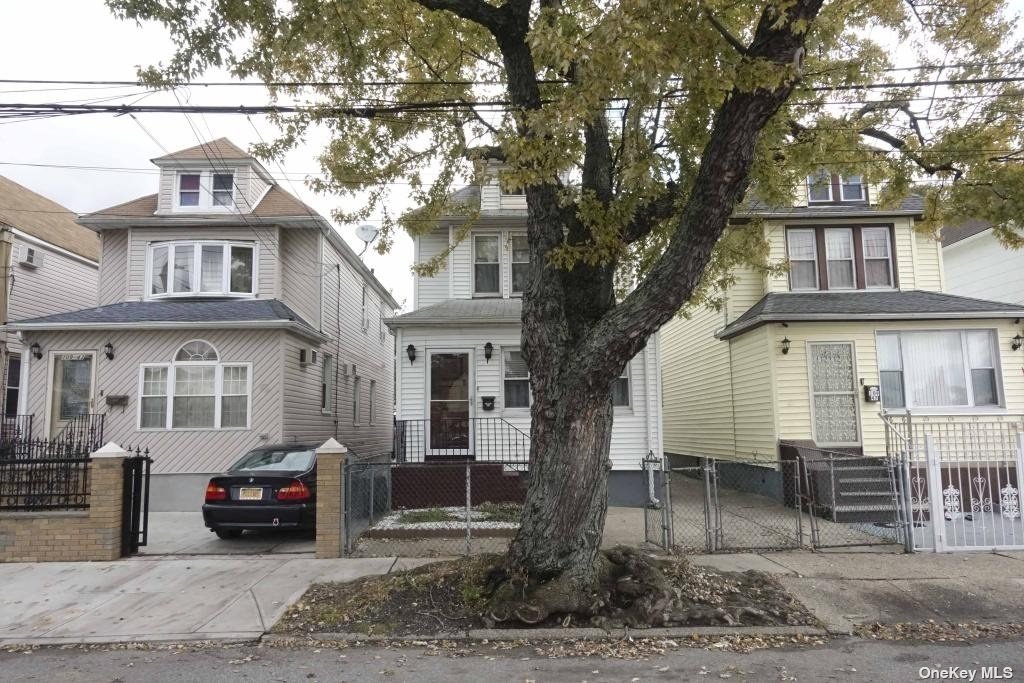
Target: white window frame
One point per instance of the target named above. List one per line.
(817, 266)
(218, 387)
(998, 407)
(852, 260)
(863, 190)
(327, 372)
(512, 263)
(206, 204)
(473, 264)
(627, 374)
(853, 392)
(356, 408)
(889, 258)
(529, 392)
(811, 183)
(197, 268)
(373, 402)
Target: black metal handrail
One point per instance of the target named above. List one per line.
(490, 439)
(44, 484)
(16, 428)
(84, 429)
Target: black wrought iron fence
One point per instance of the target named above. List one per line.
(15, 428)
(44, 449)
(492, 439)
(86, 430)
(37, 484)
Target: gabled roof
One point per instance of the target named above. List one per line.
(219, 149)
(866, 305)
(44, 219)
(276, 203)
(192, 313)
(463, 312)
(958, 233)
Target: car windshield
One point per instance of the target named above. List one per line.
(292, 460)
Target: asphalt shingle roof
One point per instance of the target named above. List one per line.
(952, 234)
(866, 305)
(34, 214)
(193, 311)
(911, 205)
(465, 311)
(221, 148)
(276, 203)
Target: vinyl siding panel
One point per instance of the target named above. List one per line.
(744, 293)
(696, 387)
(266, 240)
(173, 451)
(113, 274)
(928, 264)
(633, 434)
(433, 289)
(752, 395)
(357, 352)
(57, 285)
(792, 398)
(982, 268)
(461, 264)
(301, 272)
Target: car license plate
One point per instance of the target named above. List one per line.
(250, 494)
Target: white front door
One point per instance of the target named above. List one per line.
(450, 404)
(834, 410)
(71, 388)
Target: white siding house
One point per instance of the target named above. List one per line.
(977, 265)
(465, 330)
(230, 316)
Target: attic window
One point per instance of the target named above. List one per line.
(824, 187)
(205, 191)
(188, 189)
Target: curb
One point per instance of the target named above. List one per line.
(547, 634)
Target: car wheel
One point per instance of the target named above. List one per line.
(228, 534)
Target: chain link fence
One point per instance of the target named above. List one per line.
(430, 509)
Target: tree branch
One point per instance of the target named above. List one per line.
(729, 37)
(477, 11)
(647, 217)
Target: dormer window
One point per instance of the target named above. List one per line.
(824, 187)
(205, 191)
(201, 268)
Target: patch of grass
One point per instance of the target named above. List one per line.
(426, 515)
(499, 512)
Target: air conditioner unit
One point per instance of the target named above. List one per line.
(307, 357)
(30, 258)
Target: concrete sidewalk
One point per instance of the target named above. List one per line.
(844, 589)
(162, 599)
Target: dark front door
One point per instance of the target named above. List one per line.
(450, 426)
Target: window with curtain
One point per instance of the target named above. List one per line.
(819, 187)
(206, 191)
(803, 259)
(520, 263)
(201, 267)
(486, 265)
(517, 380)
(188, 189)
(223, 189)
(939, 369)
(833, 393)
(877, 258)
(851, 188)
(621, 393)
(839, 254)
(195, 391)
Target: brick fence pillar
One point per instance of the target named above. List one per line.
(106, 493)
(330, 507)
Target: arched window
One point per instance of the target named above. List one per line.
(196, 350)
(195, 391)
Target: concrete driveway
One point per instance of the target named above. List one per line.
(183, 533)
(162, 599)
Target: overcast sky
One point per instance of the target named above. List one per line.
(81, 40)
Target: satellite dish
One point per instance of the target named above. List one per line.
(367, 233)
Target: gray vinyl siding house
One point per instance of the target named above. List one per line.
(230, 327)
(50, 265)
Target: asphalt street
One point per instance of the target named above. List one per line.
(839, 660)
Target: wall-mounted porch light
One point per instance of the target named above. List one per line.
(1017, 342)
(488, 351)
(410, 351)
(37, 352)
(785, 345)
(108, 351)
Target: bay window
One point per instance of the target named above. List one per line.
(201, 267)
(195, 391)
(938, 369)
(486, 265)
(803, 258)
(517, 380)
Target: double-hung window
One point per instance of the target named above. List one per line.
(621, 390)
(195, 391)
(517, 379)
(803, 258)
(205, 191)
(851, 188)
(937, 369)
(839, 254)
(201, 268)
(520, 263)
(486, 265)
(877, 258)
(819, 187)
